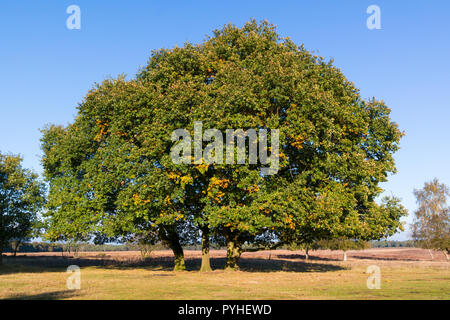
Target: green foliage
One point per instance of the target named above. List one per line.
(21, 197)
(431, 228)
(111, 175)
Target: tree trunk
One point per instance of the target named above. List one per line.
(179, 257)
(431, 254)
(177, 249)
(234, 251)
(307, 253)
(16, 248)
(446, 254)
(345, 256)
(206, 265)
(170, 237)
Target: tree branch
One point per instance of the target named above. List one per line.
(275, 246)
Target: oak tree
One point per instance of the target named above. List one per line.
(21, 198)
(112, 175)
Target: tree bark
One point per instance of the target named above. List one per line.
(345, 256)
(307, 253)
(206, 265)
(172, 240)
(179, 257)
(431, 254)
(234, 252)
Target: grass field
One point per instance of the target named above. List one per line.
(281, 274)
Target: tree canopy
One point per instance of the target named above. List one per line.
(111, 174)
(21, 197)
(431, 227)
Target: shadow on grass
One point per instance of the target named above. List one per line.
(303, 257)
(266, 265)
(385, 258)
(55, 295)
(59, 264)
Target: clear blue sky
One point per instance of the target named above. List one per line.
(46, 69)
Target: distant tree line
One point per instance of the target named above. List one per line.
(15, 247)
(394, 244)
(90, 247)
(62, 247)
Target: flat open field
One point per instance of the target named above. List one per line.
(405, 274)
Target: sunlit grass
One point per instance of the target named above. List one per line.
(346, 280)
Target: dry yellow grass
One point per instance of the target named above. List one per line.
(285, 276)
